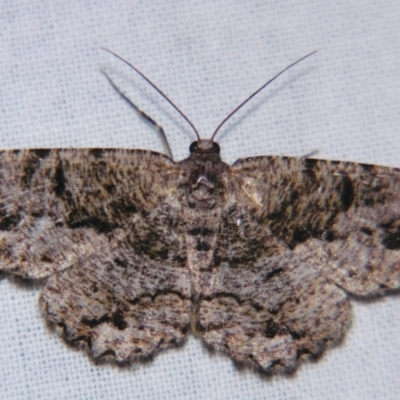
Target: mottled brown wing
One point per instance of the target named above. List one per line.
(127, 301)
(59, 206)
(271, 311)
(350, 211)
(103, 227)
(296, 235)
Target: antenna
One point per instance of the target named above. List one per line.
(181, 113)
(158, 90)
(256, 92)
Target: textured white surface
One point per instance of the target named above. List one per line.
(207, 56)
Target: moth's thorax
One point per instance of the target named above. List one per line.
(204, 181)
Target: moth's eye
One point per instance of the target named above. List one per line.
(193, 147)
(216, 149)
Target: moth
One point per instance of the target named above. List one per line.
(257, 258)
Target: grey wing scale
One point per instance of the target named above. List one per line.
(98, 224)
(299, 235)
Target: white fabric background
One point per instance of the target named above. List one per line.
(207, 56)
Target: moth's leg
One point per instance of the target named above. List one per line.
(271, 315)
(145, 116)
(118, 305)
(310, 154)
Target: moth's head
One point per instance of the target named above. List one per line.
(204, 146)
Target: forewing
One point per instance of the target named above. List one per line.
(61, 205)
(349, 211)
